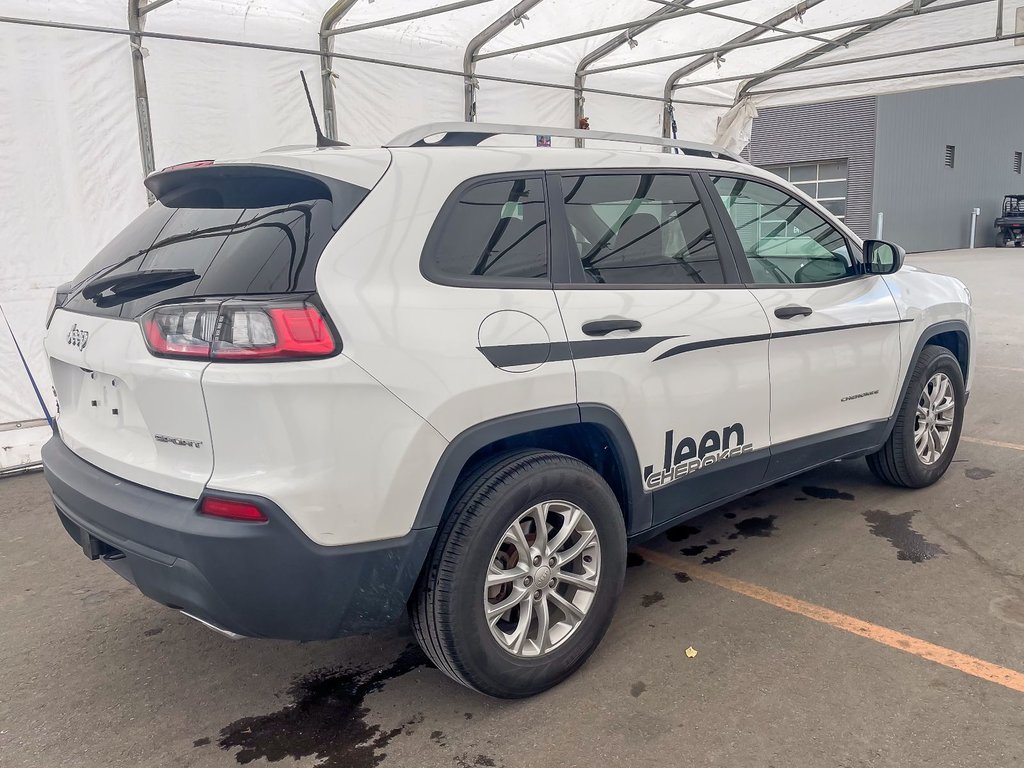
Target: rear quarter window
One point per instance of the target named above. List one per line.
(490, 232)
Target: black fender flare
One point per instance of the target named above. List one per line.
(945, 326)
(461, 449)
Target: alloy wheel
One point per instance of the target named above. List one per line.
(542, 578)
(933, 423)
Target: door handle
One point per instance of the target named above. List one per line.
(791, 311)
(604, 327)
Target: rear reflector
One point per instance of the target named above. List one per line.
(239, 329)
(232, 510)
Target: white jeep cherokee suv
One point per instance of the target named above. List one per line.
(312, 392)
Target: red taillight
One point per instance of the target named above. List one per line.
(274, 333)
(240, 329)
(232, 510)
(168, 344)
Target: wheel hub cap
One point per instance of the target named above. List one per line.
(542, 578)
(933, 423)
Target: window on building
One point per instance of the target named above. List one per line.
(1017, 163)
(950, 155)
(824, 181)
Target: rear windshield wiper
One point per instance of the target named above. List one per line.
(133, 285)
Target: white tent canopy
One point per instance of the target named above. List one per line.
(95, 93)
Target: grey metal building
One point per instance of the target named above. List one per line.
(923, 159)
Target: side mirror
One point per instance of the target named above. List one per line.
(882, 257)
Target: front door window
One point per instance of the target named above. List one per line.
(783, 240)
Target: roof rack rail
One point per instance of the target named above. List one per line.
(471, 134)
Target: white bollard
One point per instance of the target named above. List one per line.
(878, 226)
(975, 212)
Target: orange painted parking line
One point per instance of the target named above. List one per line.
(1001, 368)
(961, 662)
(993, 443)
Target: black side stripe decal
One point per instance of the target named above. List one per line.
(508, 355)
(767, 336)
(708, 343)
(803, 332)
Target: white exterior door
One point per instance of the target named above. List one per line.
(660, 330)
(835, 348)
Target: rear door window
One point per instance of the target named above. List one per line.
(242, 231)
(641, 229)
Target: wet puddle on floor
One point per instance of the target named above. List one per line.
(755, 526)
(910, 545)
(826, 494)
(326, 719)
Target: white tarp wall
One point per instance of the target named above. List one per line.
(70, 163)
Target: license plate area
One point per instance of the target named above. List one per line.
(102, 398)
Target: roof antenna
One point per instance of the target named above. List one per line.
(321, 140)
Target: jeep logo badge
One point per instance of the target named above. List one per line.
(77, 337)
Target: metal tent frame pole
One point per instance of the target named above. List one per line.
(333, 15)
(894, 76)
(621, 39)
(726, 47)
(436, 10)
(492, 30)
(914, 7)
(611, 28)
(785, 69)
(708, 58)
(137, 11)
(767, 27)
(328, 32)
(334, 55)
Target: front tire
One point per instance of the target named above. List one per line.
(523, 580)
(927, 429)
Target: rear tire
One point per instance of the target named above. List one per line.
(927, 429)
(492, 534)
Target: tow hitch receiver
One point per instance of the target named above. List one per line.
(95, 549)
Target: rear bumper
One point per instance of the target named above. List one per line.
(255, 579)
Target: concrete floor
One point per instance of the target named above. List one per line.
(92, 674)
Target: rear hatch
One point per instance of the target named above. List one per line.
(222, 266)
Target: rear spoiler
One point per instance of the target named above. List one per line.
(233, 185)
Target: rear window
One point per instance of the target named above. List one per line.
(241, 229)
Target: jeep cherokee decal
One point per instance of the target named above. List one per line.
(858, 396)
(690, 455)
